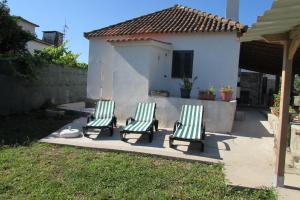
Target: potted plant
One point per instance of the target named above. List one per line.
(186, 87)
(297, 90)
(226, 93)
(209, 94)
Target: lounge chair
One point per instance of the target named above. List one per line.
(143, 122)
(102, 118)
(190, 127)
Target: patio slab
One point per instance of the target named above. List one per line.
(247, 152)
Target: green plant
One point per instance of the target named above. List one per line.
(297, 85)
(226, 89)
(276, 104)
(60, 56)
(187, 83)
(23, 65)
(211, 90)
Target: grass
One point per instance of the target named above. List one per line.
(44, 171)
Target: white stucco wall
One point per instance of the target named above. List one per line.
(35, 45)
(27, 26)
(216, 59)
(101, 62)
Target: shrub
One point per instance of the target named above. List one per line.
(60, 56)
(22, 65)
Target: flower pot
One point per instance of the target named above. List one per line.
(274, 111)
(185, 93)
(226, 95)
(204, 95)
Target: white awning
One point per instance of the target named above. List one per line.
(283, 16)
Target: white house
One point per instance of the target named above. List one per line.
(49, 37)
(130, 59)
(35, 44)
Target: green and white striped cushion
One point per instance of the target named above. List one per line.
(138, 126)
(144, 112)
(100, 122)
(104, 109)
(191, 120)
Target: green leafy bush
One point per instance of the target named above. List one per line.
(60, 56)
(22, 65)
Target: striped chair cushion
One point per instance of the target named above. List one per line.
(191, 115)
(144, 112)
(100, 122)
(188, 132)
(191, 120)
(138, 126)
(104, 109)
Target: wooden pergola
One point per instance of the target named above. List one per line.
(265, 57)
(280, 25)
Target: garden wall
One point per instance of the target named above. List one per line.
(55, 85)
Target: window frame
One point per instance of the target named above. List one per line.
(173, 75)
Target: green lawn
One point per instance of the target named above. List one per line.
(44, 171)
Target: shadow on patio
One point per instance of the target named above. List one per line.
(254, 125)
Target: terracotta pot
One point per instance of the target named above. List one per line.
(204, 95)
(226, 95)
(274, 111)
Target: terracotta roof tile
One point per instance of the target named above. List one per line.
(177, 19)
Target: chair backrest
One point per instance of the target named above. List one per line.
(104, 109)
(191, 115)
(145, 112)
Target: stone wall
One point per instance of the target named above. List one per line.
(55, 85)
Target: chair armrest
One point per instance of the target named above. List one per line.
(90, 117)
(129, 120)
(115, 121)
(203, 131)
(176, 125)
(155, 124)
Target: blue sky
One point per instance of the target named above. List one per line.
(86, 15)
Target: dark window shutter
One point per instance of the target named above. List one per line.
(182, 64)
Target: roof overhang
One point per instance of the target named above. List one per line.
(140, 42)
(279, 23)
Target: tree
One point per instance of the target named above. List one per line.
(13, 38)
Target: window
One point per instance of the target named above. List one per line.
(182, 64)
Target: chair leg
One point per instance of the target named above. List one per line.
(156, 125)
(122, 136)
(84, 131)
(202, 147)
(151, 135)
(171, 145)
(115, 122)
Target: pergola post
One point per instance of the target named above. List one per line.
(286, 81)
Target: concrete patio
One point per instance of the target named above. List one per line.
(247, 152)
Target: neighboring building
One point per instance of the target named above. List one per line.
(152, 52)
(49, 37)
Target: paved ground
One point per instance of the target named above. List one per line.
(247, 152)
